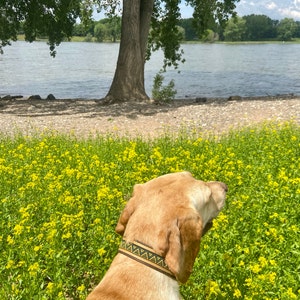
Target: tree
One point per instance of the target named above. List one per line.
(259, 27)
(81, 29)
(55, 18)
(100, 32)
(189, 30)
(209, 36)
(286, 29)
(235, 29)
(297, 32)
(113, 28)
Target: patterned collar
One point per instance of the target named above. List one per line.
(144, 255)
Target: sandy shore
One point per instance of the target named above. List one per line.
(88, 117)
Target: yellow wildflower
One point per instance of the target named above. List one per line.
(291, 294)
(10, 240)
(263, 261)
(101, 251)
(81, 288)
(18, 229)
(37, 248)
(241, 264)
(33, 269)
(50, 286)
(9, 264)
(213, 288)
(255, 268)
(237, 293)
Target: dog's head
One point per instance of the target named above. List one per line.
(170, 214)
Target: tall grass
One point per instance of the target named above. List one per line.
(61, 198)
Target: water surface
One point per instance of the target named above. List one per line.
(85, 70)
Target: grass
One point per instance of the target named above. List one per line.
(61, 198)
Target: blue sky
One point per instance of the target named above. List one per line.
(275, 9)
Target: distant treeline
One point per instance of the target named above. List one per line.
(261, 28)
(247, 28)
(100, 31)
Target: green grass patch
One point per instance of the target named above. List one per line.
(61, 198)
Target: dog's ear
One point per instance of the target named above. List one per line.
(184, 244)
(129, 209)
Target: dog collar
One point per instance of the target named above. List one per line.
(142, 254)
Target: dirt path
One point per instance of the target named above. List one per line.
(88, 118)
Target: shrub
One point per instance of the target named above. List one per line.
(162, 93)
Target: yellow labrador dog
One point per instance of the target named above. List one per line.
(161, 225)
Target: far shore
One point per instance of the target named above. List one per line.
(82, 39)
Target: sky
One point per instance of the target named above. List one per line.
(275, 9)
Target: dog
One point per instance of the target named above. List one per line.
(162, 225)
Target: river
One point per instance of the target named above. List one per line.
(85, 70)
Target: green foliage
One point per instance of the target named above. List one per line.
(100, 32)
(162, 93)
(164, 32)
(212, 15)
(259, 27)
(286, 29)
(9, 25)
(235, 29)
(112, 28)
(80, 29)
(103, 30)
(190, 32)
(209, 36)
(88, 38)
(61, 198)
(54, 19)
(165, 35)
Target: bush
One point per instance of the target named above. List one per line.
(88, 38)
(162, 93)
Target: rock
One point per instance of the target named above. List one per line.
(35, 97)
(234, 98)
(7, 97)
(50, 97)
(201, 100)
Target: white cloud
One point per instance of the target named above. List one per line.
(289, 13)
(297, 4)
(275, 9)
(272, 5)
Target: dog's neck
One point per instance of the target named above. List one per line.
(145, 255)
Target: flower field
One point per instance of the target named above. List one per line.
(60, 199)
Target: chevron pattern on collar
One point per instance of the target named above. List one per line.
(142, 254)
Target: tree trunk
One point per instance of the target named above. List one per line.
(128, 83)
